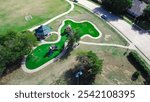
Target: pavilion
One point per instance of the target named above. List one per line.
(42, 32)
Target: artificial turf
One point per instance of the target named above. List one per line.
(39, 55)
(83, 28)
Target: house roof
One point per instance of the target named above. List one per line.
(137, 8)
(43, 30)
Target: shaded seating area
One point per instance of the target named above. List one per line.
(42, 32)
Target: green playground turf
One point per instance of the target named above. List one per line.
(83, 28)
(39, 56)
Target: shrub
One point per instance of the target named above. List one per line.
(135, 75)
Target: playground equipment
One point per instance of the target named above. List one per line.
(68, 30)
(28, 18)
(52, 49)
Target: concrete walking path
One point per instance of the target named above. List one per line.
(109, 45)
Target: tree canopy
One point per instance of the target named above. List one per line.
(73, 38)
(90, 61)
(88, 66)
(117, 6)
(147, 12)
(13, 47)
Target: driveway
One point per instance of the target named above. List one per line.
(137, 37)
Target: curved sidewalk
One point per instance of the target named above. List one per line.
(109, 45)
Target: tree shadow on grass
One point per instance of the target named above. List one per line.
(12, 67)
(85, 79)
(46, 55)
(66, 54)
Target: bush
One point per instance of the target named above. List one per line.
(135, 75)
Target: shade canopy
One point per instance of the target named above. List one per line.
(42, 31)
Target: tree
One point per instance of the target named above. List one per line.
(74, 38)
(147, 12)
(89, 65)
(13, 47)
(2, 59)
(90, 61)
(117, 6)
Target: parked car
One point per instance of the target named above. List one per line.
(104, 17)
(148, 31)
(75, 1)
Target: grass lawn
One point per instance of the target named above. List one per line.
(13, 12)
(128, 20)
(52, 37)
(39, 56)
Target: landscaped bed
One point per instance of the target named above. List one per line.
(39, 56)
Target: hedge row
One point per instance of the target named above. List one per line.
(140, 64)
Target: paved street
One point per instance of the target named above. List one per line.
(139, 38)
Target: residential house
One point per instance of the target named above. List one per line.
(137, 8)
